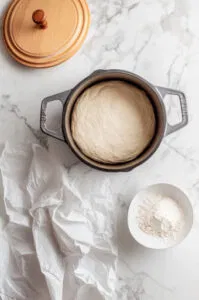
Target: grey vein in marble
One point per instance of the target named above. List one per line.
(13, 108)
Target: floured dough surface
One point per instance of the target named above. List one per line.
(113, 122)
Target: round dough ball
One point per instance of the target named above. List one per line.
(113, 122)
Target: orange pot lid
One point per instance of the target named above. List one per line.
(45, 33)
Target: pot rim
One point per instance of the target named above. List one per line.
(102, 75)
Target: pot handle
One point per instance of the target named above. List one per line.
(62, 97)
(183, 104)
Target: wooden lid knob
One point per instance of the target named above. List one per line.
(39, 18)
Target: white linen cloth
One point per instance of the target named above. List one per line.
(59, 238)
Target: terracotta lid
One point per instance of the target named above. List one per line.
(45, 33)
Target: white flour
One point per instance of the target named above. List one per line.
(160, 216)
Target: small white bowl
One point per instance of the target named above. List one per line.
(150, 241)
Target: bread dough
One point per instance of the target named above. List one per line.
(113, 122)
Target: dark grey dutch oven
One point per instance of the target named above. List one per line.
(155, 94)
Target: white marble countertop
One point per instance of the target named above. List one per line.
(159, 40)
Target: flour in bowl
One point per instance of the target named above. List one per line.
(160, 216)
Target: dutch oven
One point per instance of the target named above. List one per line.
(155, 94)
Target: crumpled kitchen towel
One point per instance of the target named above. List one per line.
(59, 238)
